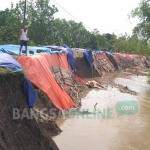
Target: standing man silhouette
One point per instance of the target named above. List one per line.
(23, 36)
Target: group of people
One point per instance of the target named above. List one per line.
(23, 37)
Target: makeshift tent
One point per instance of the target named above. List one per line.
(38, 72)
(62, 49)
(9, 62)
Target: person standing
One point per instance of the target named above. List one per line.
(23, 36)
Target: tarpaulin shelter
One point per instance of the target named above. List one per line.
(62, 49)
(38, 72)
(7, 61)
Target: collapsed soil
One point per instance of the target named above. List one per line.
(22, 134)
(82, 67)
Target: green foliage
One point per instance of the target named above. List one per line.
(45, 30)
(31, 43)
(131, 45)
(40, 16)
(4, 70)
(142, 30)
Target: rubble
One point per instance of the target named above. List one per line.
(66, 80)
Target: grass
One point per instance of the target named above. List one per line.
(4, 70)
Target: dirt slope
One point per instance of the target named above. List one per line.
(20, 134)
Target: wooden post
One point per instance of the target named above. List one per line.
(24, 18)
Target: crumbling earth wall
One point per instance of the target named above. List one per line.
(82, 67)
(22, 133)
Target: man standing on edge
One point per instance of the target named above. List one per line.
(23, 36)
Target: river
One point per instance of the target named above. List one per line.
(106, 130)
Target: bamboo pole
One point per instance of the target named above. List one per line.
(24, 18)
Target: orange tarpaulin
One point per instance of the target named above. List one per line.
(97, 56)
(127, 56)
(38, 71)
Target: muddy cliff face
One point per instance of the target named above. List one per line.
(82, 66)
(18, 134)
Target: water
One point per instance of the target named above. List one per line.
(128, 132)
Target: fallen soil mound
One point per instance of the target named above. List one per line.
(20, 133)
(46, 123)
(82, 66)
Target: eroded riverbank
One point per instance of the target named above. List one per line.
(130, 132)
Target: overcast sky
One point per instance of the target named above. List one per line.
(107, 16)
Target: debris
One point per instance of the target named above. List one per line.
(67, 81)
(95, 105)
(94, 84)
(125, 89)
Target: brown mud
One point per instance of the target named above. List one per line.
(82, 66)
(127, 132)
(21, 133)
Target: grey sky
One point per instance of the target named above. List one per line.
(106, 15)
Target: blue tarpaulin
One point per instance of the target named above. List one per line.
(6, 51)
(99, 52)
(62, 49)
(89, 57)
(87, 54)
(52, 52)
(10, 48)
(9, 62)
(70, 57)
(58, 48)
(111, 53)
(30, 93)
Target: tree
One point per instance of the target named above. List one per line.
(10, 23)
(142, 30)
(111, 39)
(40, 16)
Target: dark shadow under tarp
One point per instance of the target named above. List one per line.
(112, 60)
